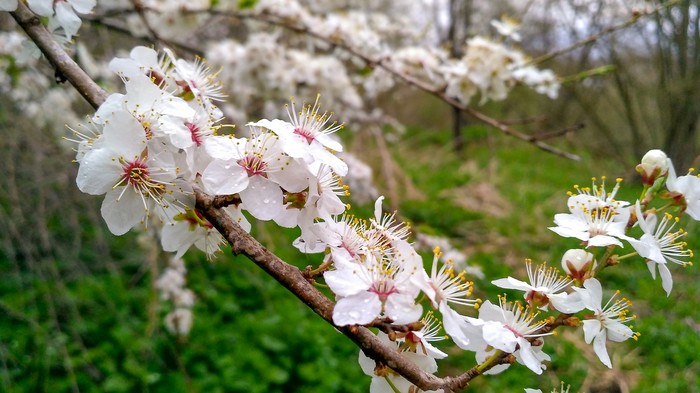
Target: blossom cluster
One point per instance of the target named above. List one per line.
(489, 69)
(172, 287)
(148, 148)
(376, 277)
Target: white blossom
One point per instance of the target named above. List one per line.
(660, 245)
(608, 322)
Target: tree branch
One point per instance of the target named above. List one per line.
(58, 58)
(607, 31)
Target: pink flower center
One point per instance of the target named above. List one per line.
(383, 289)
(196, 135)
(136, 174)
(517, 333)
(156, 77)
(254, 165)
(309, 137)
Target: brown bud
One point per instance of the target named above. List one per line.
(572, 322)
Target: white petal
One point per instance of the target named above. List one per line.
(328, 142)
(425, 363)
(512, 283)
(8, 5)
(498, 336)
(366, 364)
(569, 232)
(432, 351)
(402, 309)
(177, 237)
(357, 309)
(99, 171)
(293, 177)
(618, 332)
(125, 135)
(324, 156)
(41, 7)
(455, 326)
(83, 6)
(66, 17)
(346, 282)
(666, 278)
(482, 355)
(651, 265)
(279, 127)
(527, 358)
(491, 312)
(640, 246)
(568, 303)
(591, 329)
(263, 198)
(238, 217)
(600, 350)
(380, 385)
(224, 177)
(224, 147)
(122, 212)
(595, 292)
(288, 218)
(603, 241)
(114, 103)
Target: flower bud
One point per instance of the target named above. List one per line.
(654, 165)
(577, 263)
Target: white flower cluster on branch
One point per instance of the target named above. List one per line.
(159, 155)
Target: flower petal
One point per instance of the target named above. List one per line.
(357, 309)
(600, 350)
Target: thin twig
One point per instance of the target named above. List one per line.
(607, 31)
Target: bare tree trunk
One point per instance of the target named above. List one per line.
(460, 12)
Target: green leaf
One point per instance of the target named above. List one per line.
(246, 4)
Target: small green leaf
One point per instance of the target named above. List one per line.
(246, 4)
